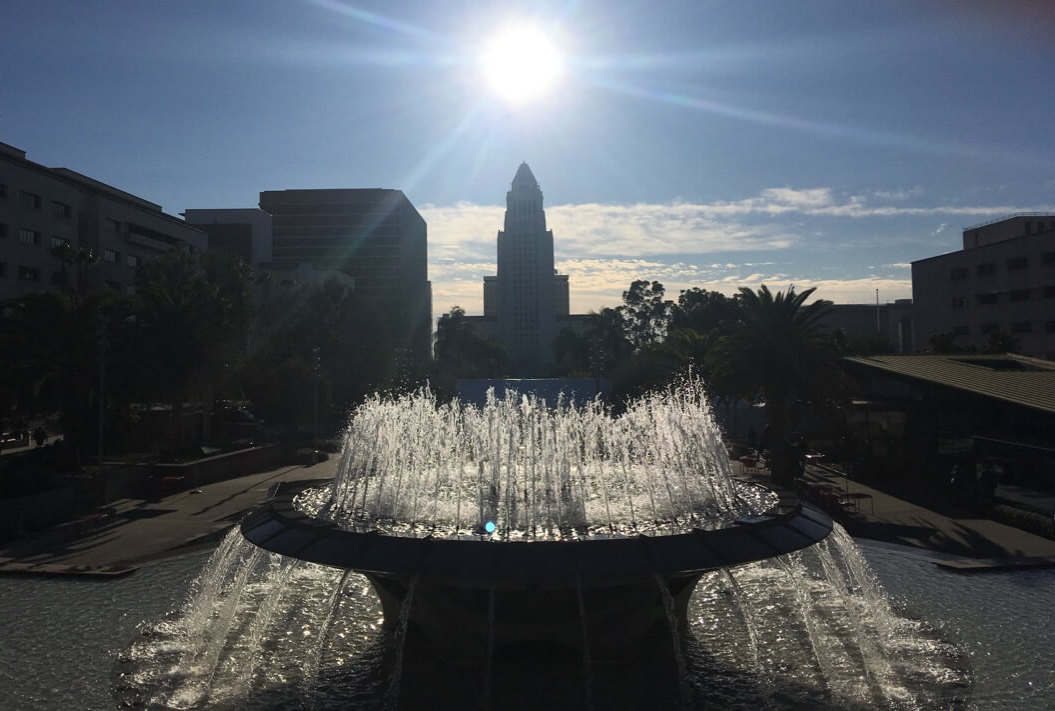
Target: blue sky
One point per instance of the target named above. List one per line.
(711, 144)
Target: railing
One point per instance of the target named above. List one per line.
(1008, 217)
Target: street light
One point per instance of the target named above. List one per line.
(316, 367)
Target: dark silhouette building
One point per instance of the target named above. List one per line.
(526, 304)
(375, 236)
(45, 208)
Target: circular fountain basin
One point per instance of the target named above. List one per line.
(614, 598)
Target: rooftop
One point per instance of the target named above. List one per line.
(1029, 382)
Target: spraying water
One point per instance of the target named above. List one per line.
(808, 628)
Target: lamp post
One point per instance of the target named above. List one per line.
(316, 367)
(102, 388)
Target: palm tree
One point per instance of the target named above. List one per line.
(779, 352)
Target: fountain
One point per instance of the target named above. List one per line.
(526, 556)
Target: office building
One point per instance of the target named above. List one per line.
(1003, 280)
(42, 208)
(374, 236)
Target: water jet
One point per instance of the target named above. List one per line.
(523, 555)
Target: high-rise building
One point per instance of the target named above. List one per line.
(526, 303)
(1002, 281)
(375, 236)
(42, 208)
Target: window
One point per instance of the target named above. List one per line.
(133, 260)
(987, 269)
(3, 269)
(961, 330)
(1049, 326)
(1018, 263)
(57, 241)
(29, 237)
(60, 209)
(988, 328)
(29, 274)
(1049, 292)
(110, 255)
(959, 302)
(111, 225)
(1048, 259)
(3, 191)
(1022, 327)
(987, 299)
(29, 199)
(1019, 295)
(3, 230)
(958, 273)
(130, 290)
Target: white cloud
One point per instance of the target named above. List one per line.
(603, 248)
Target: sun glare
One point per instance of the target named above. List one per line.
(520, 65)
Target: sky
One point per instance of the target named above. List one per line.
(701, 144)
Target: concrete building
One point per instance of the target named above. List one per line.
(1003, 280)
(41, 208)
(527, 302)
(244, 232)
(891, 322)
(374, 236)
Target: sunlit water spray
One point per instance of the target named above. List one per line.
(809, 628)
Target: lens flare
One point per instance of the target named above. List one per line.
(519, 65)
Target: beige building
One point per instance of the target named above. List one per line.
(42, 208)
(1003, 280)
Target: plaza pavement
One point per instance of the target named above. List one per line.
(986, 544)
(141, 531)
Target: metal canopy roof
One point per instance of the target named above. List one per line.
(1029, 382)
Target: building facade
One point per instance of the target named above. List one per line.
(374, 236)
(42, 208)
(243, 232)
(891, 322)
(526, 302)
(1002, 281)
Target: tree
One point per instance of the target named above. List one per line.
(193, 318)
(777, 351)
(50, 349)
(359, 351)
(646, 314)
(704, 311)
(462, 353)
(1003, 342)
(946, 344)
(596, 350)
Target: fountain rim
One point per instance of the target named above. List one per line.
(278, 526)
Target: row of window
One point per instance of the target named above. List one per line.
(1017, 327)
(32, 200)
(26, 273)
(112, 256)
(32, 238)
(995, 297)
(989, 268)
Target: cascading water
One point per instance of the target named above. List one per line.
(518, 609)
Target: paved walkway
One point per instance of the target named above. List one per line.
(141, 531)
(883, 517)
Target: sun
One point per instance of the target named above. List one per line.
(521, 64)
